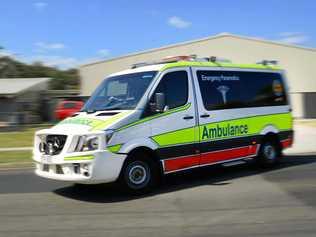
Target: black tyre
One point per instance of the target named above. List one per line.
(139, 174)
(269, 154)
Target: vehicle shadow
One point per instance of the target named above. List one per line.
(213, 175)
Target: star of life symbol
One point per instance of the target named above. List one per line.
(223, 90)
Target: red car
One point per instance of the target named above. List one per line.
(67, 108)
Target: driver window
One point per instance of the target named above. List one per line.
(174, 85)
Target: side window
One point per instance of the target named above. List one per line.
(236, 89)
(175, 87)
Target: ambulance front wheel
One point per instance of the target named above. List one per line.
(139, 173)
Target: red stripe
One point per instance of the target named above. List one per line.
(287, 142)
(253, 149)
(208, 158)
(218, 156)
(181, 163)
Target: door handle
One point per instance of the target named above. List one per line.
(204, 116)
(188, 117)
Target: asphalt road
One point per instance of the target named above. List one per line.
(235, 201)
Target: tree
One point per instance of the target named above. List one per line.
(61, 79)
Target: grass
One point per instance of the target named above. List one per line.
(15, 158)
(22, 138)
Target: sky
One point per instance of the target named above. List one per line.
(68, 33)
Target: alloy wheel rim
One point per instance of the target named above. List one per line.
(137, 174)
(269, 152)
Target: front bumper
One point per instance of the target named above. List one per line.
(89, 168)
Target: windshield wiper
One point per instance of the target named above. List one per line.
(114, 108)
(91, 111)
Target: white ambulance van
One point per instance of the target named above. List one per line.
(169, 116)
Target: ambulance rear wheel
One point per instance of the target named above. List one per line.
(139, 174)
(269, 154)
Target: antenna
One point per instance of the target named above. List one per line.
(215, 59)
(268, 62)
(136, 65)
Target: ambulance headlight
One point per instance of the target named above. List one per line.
(87, 143)
(92, 143)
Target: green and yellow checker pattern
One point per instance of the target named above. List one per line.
(95, 124)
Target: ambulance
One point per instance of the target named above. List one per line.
(162, 117)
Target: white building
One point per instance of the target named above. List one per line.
(299, 63)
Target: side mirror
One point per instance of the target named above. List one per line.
(160, 102)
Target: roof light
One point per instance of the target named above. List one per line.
(189, 58)
(169, 59)
(179, 58)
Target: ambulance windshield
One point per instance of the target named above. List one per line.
(121, 92)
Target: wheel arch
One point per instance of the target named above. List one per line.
(269, 129)
(147, 151)
(137, 143)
